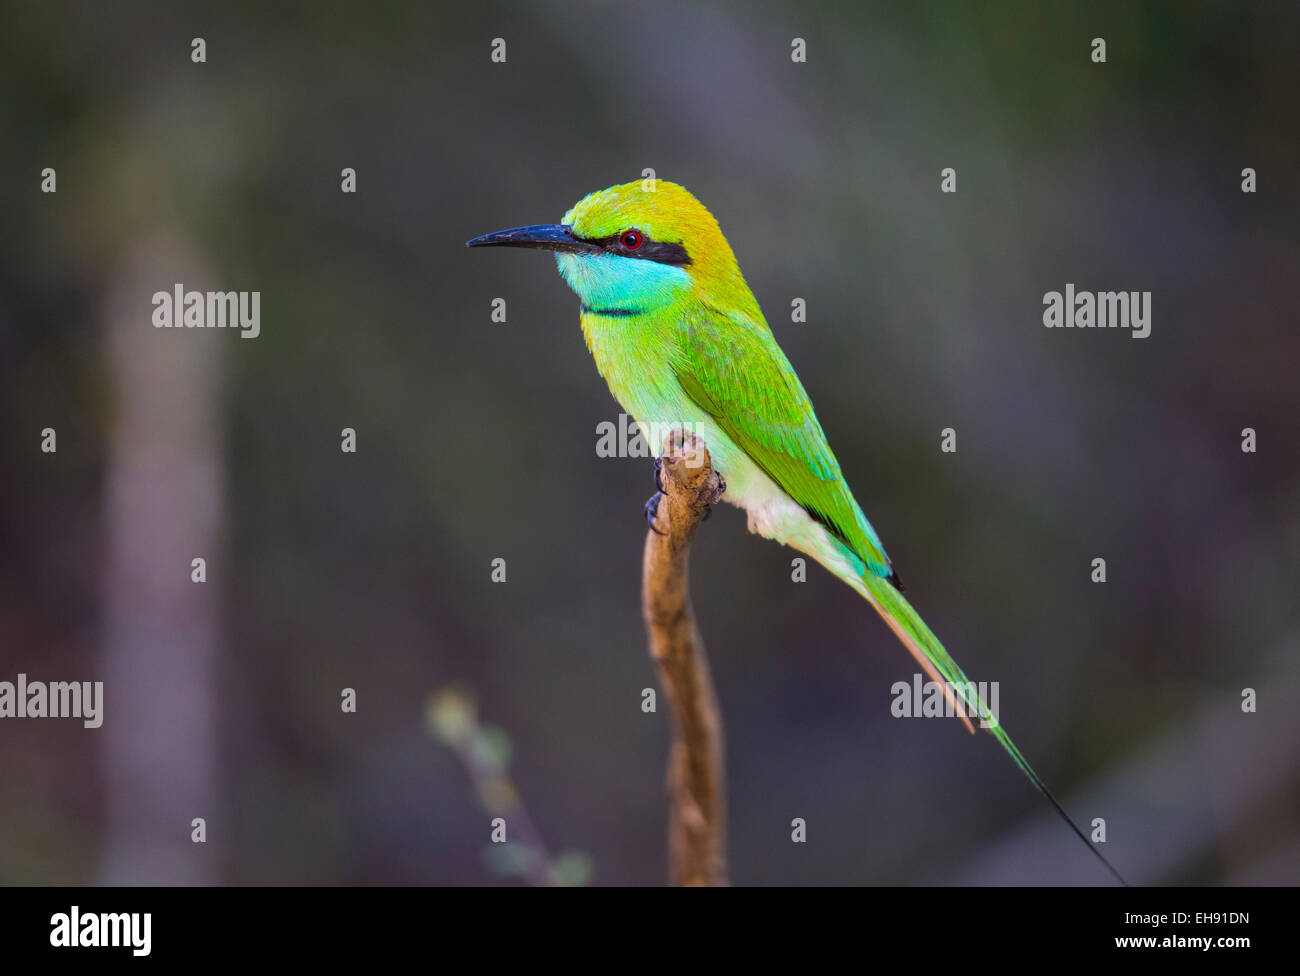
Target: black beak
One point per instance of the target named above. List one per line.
(544, 237)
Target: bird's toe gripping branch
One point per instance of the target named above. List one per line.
(652, 505)
(687, 481)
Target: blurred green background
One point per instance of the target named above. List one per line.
(476, 440)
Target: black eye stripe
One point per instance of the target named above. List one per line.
(665, 252)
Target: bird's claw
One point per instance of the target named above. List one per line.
(652, 506)
(717, 496)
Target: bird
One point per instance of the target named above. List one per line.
(676, 333)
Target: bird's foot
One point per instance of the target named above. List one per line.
(717, 496)
(652, 505)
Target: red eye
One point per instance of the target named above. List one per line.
(630, 240)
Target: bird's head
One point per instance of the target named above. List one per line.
(637, 247)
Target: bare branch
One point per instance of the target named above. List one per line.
(696, 786)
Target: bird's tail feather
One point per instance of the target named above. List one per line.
(960, 692)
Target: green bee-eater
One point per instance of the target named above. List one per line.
(679, 338)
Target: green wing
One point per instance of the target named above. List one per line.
(734, 370)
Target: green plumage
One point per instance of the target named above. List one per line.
(734, 370)
(676, 333)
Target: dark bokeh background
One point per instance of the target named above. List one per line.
(477, 440)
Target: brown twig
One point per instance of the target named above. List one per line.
(697, 797)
